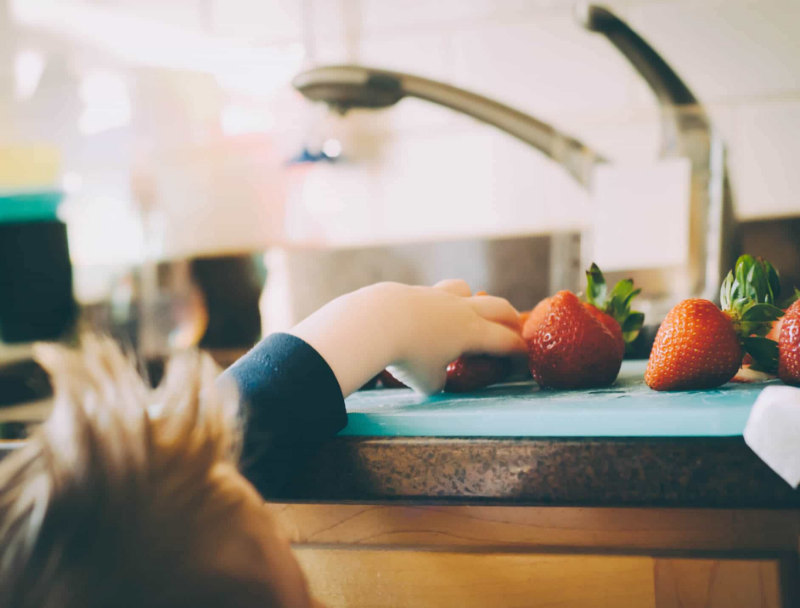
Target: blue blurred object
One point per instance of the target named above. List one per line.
(306, 156)
(30, 206)
(36, 299)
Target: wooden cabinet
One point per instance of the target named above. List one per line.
(718, 583)
(379, 578)
(373, 578)
(376, 556)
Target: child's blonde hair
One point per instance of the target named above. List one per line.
(116, 500)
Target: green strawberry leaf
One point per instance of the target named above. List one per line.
(758, 285)
(748, 295)
(622, 289)
(596, 287)
(627, 302)
(633, 323)
(773, 280)
(616, 303)
(725, 291)
(742, 269)
(759, 313)
(739, 304)
(764, 352)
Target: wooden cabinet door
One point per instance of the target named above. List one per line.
(392, 578)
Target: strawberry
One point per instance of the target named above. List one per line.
(571, 348)
(695, 347)
(370, 384)
(466, 374)
(789, 346)
(699, 346)
(610, 324)
(470, 372)
(390, 381)
(614, 309)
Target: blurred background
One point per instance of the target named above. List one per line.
(199, 198)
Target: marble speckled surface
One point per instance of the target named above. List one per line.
(716, 472)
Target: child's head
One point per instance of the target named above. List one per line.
(130, 497)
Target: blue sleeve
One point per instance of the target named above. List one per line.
(291, 400)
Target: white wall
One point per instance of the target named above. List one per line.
(418, 171)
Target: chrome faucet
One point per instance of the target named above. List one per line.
(345, 87)
(685, 127)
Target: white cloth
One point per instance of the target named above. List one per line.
(773, 431)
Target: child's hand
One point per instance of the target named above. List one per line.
(417, 331)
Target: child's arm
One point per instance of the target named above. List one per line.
(293, 385)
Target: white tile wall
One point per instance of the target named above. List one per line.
(766, 160)
(180, 13)
(334, 34)
(545, 67)
(427, 54)
(727, 51)
(381, 15)
(275, 20)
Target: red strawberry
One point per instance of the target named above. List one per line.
(789, 346)
(465, 374)
(699, 346)
(572, 349)
(471, 372)
(610, 324)
(695, 347)
(390, 381)
(370, 384)
(613, 309)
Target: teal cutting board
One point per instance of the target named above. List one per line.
(628, 408)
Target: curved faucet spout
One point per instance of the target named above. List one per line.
(681, 112)
(349, 86)
(686, 130)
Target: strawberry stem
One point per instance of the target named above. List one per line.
(617, 303)
(747, 296)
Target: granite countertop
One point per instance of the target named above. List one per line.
(590, 472)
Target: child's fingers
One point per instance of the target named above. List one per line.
(427, 380)
(496, 309)
(495, 339)
(432, 383)
(457, 287)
